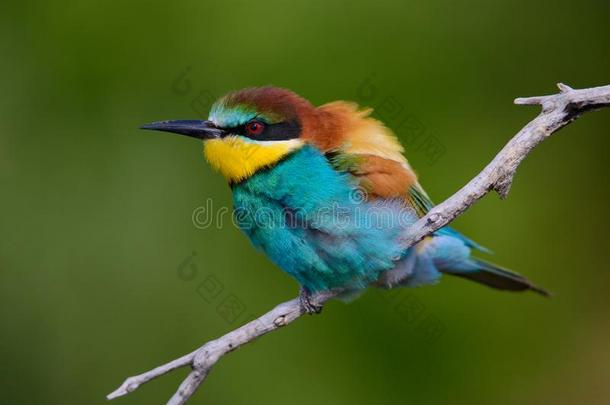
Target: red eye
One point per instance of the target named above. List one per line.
(255, 128)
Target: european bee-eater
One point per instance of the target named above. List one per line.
(326, 193)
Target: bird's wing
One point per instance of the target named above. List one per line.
(366, 149)
(372, 155)
(375, 175)
(387, 179)
(369, 151)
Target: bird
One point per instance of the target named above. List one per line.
(326, 192)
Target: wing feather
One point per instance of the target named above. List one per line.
(371, 154)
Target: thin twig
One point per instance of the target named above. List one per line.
(558, 110)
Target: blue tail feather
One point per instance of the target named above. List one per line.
(450, 253)
(497, 277)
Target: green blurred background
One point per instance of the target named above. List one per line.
(96, 215)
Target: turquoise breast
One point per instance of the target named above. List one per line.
(317, 225)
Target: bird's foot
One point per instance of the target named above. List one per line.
(308, 307)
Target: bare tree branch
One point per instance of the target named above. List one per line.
(558, 110)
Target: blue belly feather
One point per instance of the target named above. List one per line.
(314, 223)
(317, 225)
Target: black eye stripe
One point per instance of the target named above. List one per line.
(280, 131)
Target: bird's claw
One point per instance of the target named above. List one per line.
(307, 306)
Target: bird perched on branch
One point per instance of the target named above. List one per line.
(327, 193)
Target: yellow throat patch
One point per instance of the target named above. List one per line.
(237, 159)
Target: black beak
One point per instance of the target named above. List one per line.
(194, 128)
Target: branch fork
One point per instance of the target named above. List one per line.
(558, 110)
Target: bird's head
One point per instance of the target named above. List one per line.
(248, 130)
